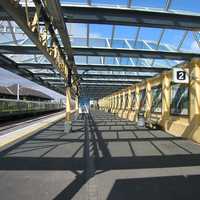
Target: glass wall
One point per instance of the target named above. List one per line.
(117, 102)
(121, 101)
(126, 101)
(133, 100)
(156, 99)
(142, 100)
(179, 99)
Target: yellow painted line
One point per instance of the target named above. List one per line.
(24, 132)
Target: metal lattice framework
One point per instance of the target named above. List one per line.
(51, 42)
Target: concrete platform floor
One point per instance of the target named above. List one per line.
(104, 157)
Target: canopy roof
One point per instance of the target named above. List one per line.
(114, 43)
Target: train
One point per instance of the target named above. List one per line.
(10, 108)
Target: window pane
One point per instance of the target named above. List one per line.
(142, 100)
(126, 100)
(133, 100)
(121, 102)
(156, 99)
(179, 99)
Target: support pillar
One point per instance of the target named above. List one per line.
(166, 90)
(68, 111)
(115, 103)
(194, 100)
(76, 103)
(129, 100)
(112, 103)
(148, 100)
(137, 103)
(121, 111)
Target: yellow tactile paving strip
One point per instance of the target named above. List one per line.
(14, 136)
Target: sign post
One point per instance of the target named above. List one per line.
(180, 75)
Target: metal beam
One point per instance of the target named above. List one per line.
(11, 66)
(54, 8)
(94, 75)
(87, 51)
(110, 76)
(34, 66)
(109, 82)
(99, 67)
(126, 16)
(116, 76)
(136, 53)
(31, 26)
(121, 68)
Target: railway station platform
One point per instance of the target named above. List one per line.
(103, 157)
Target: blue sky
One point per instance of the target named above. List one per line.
(171, 37)
(8, 78)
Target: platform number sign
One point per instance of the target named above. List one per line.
(180, 75)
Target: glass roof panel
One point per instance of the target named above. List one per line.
(113, 3)
(125, 61)
(114, 36)
(121, 30)
(95, 42)
(165, 63)
(156, 4)
(152, 34)
(26, 58)
(110, 60)
(77, 30)
(80, 59)
(186, 5)
(139, 44)
(175, 40)
(118, 43)
(78, 41)
(94, 59)
(190, 44)
(100, 31)
(73, 1)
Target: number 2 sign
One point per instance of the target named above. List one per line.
(180, 75)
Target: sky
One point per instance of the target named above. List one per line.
(171, 37)
(7, 78)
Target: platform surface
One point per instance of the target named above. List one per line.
(103, 157)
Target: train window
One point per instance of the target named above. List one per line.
(179, 99)
(142, 100)
(156, 99)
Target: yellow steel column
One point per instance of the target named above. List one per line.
(137, 102)
(112, 103)
(194, 101)
(122, 104)
(129, 100)
(76, 103)
(68, 110)
(115, 103)
(166, 80)
(129, 104)
(119, 103)
(148, 99)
